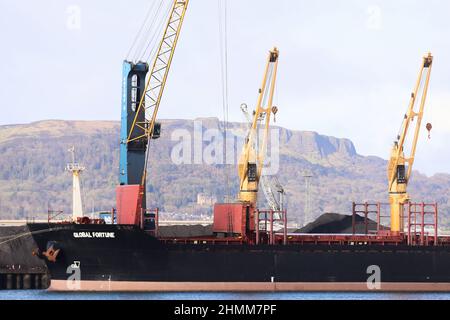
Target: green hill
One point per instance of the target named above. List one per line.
(33, 157)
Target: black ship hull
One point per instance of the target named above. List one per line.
(122, 258)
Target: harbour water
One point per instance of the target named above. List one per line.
(47, 295)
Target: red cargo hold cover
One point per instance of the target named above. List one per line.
(128, 204)
(231, 218)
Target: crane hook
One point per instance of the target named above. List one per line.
(274, 111)
(429, 127)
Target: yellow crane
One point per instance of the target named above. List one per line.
(238, 218)
(400, 165)
(271, 187)
(252, 157)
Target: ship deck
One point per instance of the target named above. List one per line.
(327, 239)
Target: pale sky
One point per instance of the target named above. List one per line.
(346, 68)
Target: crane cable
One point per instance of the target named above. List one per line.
(25, 234)
(153, 43)
(151, 32)
(155, 31)
(223, 43)
(256, 141)
(152, 56)
(157, 15)
(153, 15)
(267, 86)
(138, 34)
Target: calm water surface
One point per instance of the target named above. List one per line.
(46, 295)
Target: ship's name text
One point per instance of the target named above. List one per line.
(94, 235)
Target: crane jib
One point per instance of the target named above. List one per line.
(142, 89)
(398, 172)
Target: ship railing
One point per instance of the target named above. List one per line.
(149, 221)
(370, 211)
(201, 241)
(265, 221)
(420, 221)
(343, 239)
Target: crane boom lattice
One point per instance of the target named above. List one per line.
(154, 88)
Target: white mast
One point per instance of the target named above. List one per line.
(76, 169)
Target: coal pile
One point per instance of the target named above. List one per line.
(183, 231)
(338, 223)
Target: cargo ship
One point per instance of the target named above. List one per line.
(105, 257)
(244, 251)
